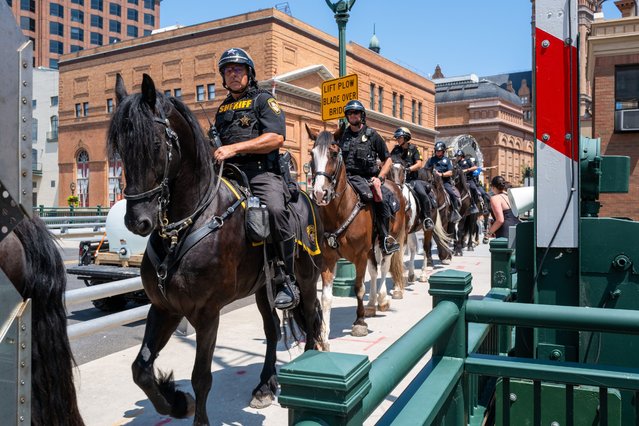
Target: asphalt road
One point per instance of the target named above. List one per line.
(89, 348)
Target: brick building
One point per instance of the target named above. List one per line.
(64, 26)
(613, 72)
(291, 57)
(494, 116)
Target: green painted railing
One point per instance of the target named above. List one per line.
(322, 388)
(43, 211)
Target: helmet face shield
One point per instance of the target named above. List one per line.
(402, 132)
(353, 107)
(237, 56)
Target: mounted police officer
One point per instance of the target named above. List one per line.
(361, 148)
(469, 166)
(409, 156)
(252, 128)
(442, 166)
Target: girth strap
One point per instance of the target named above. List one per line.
(331, 237)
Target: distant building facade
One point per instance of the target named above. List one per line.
(45, 137)
(64, 26)
(613, 73)
(494, 116)
(292, 59)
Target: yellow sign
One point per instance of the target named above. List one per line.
(335, 95)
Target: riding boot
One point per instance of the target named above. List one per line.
(455, 216)
(288, 294)
(427, 222)
(387, 241)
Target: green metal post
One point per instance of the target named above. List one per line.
(341, 9)
(500, 270)
(453, 286)
(344, 281)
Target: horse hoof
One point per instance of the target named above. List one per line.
(262, 401)
(411, 278)
(323, 346)
(359, 331)
(383, 307)
(423, 277)
(369, 311)
(446, 262)
(397, 294)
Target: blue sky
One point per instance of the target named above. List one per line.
(462, 36)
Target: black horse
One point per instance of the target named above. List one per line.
(31, 261)
(198, 258)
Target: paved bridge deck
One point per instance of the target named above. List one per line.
(108, 396)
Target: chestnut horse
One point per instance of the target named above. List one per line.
(31, 260)
(198, 258)
(467, 226)
(351, 225)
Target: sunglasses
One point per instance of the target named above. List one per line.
(352, 112)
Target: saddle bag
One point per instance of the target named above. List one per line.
(256, 221)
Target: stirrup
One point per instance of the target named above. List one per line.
(288, 296)
(390, 245)
(474, 209)
(428, 224)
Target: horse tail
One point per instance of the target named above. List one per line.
(442, 238)
(397, 259)
(53, 393)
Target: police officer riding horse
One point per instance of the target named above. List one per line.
(443, 166)
(470, 167)
(361, 147)
(407, 154)
(252, 129)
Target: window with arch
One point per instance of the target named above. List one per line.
(115, 179)
(82, 177)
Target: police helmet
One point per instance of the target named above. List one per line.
(460, 153)
(235, 55)
(355, 105)
(440, 146)
(402, 131)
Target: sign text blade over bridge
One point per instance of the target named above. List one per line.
(335, 95)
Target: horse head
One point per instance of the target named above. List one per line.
(326, 166)
(148, 132)
(398, 174)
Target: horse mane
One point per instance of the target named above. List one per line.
(54, 397)
(132, 132)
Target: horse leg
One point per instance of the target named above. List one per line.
(396, 267)
(264, 392)
(412, 251)
(360, 328)
(382, 297)
(427, 266)
(161, 391)
(371, 307)
(328, 274)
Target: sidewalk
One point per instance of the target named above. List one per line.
(107, 395)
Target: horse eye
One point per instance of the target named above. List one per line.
(334, 154)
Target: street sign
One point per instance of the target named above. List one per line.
(335, 95)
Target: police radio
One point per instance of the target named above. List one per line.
(214, 137)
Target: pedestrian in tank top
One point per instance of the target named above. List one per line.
(502, 212)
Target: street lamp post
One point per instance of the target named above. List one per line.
(341, 9)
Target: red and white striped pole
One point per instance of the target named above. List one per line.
(556, 124)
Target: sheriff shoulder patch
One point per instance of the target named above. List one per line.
(272, 103)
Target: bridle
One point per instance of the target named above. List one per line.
(332, 178)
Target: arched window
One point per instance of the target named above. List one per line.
(82, 173)
(115, 179)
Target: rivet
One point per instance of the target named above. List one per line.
(23, 400)
(23, 327)
(24, 155)
(23, 364)
(545, 137)
(554, 424)
(24, 174)
(22, 382)
(513, 397)
(23, 345)
(24, 100)
(24, 64)
(24, 83)
(24, 137)
(22, 418)
(24, 192)
(545, 43)
(24, 119)
(568, 40)
(568, 136)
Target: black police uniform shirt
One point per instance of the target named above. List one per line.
(442, 165)
(407, 157)
(361, 150)
(466, 163)
(255, 113)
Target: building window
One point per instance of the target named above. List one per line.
(54, 101)
(210, 90)
(627, 98)
(28, 5)
(77, 16)
(96, 38)
(413, 111)
(167, 93)
(115, 26)
(56, 9)
(78, 110)
(115, 179)
(56, 28)
(34, 129)
(149, 19)
(109, 105)
(27, 24)
(113, 39)
(177, 93)
(34, 103)
(53, 63)
(131, 30)
(52, 136)
(80, 2)
(56, 46)
(77, 34)
(52, 184)
(394, 104)
(75, 48)
(10, 3)
(97, 21)
(149, 4)
(97, 5)
(135, 2)
(132, 14)
(147, 32)
(199, 93)
(85, 109)
(82, 173)
(380, 98)
(115, 9)
(372, 103)
(419, 113)
(401, 106)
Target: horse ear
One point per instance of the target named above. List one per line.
(148, 90)
(311, 134)
(337, 135)
(120, 90)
